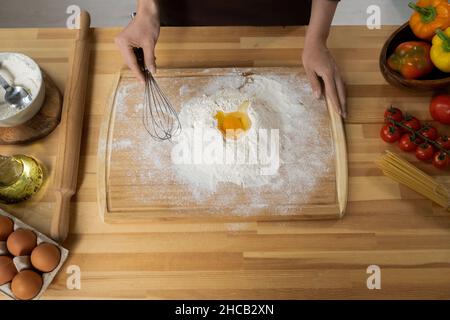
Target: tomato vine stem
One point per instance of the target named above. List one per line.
(417, 133)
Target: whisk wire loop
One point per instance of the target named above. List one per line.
(160, 118)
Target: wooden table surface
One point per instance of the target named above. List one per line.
(385, 225)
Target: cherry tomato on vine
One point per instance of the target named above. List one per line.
(390, 133)
(429, 132)
(441, 160)
(408, 143)
(393, 113)
(412, 122)
(424, 152)
(444, 142)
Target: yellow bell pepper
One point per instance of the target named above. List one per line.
(440, 50)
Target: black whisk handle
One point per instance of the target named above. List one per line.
(139, 53)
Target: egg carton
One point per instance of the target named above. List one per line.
(24, 262)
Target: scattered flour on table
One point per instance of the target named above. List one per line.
(284, 103)
(122, 144)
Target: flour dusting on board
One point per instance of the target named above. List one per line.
(282, 108)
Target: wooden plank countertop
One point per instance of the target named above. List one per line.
(385, 225)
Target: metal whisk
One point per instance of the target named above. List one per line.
(160, 118)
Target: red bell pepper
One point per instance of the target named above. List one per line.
(411, 59)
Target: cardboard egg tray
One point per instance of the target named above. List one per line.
(23, 262)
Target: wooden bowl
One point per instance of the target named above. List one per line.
(434, 81)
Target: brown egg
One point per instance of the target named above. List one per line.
(6, 227)
(26, 285)
(7, 269)
(21, 242)
(45, 257)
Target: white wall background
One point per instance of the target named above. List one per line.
(52, 13)
(353, 12)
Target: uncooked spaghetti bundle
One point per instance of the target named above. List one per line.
(400, 170)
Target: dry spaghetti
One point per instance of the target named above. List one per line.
(400, 170)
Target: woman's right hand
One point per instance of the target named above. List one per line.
(141, 32)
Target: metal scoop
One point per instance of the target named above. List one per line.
(17, 96)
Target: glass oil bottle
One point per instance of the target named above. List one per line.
(20, 178)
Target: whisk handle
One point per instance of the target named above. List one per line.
(139, 53)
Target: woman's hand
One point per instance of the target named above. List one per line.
(317, 59)
(141, 32)
(319, 64)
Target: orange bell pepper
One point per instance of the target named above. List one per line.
(428, 16)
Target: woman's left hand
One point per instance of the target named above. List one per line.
(319, 64)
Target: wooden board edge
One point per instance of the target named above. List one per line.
(102, 149)
(317, 212)
(340, 149)
(215, 71)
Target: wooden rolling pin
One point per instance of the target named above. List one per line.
(66, 168)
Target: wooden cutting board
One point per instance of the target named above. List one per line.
(131, 190)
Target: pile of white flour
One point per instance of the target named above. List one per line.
(282, 106)
(17, 71)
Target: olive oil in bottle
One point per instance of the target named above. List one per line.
(20, 177)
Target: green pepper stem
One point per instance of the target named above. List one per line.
(427, 14)
(445, 40)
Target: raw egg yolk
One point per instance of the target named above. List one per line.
(236, 123)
